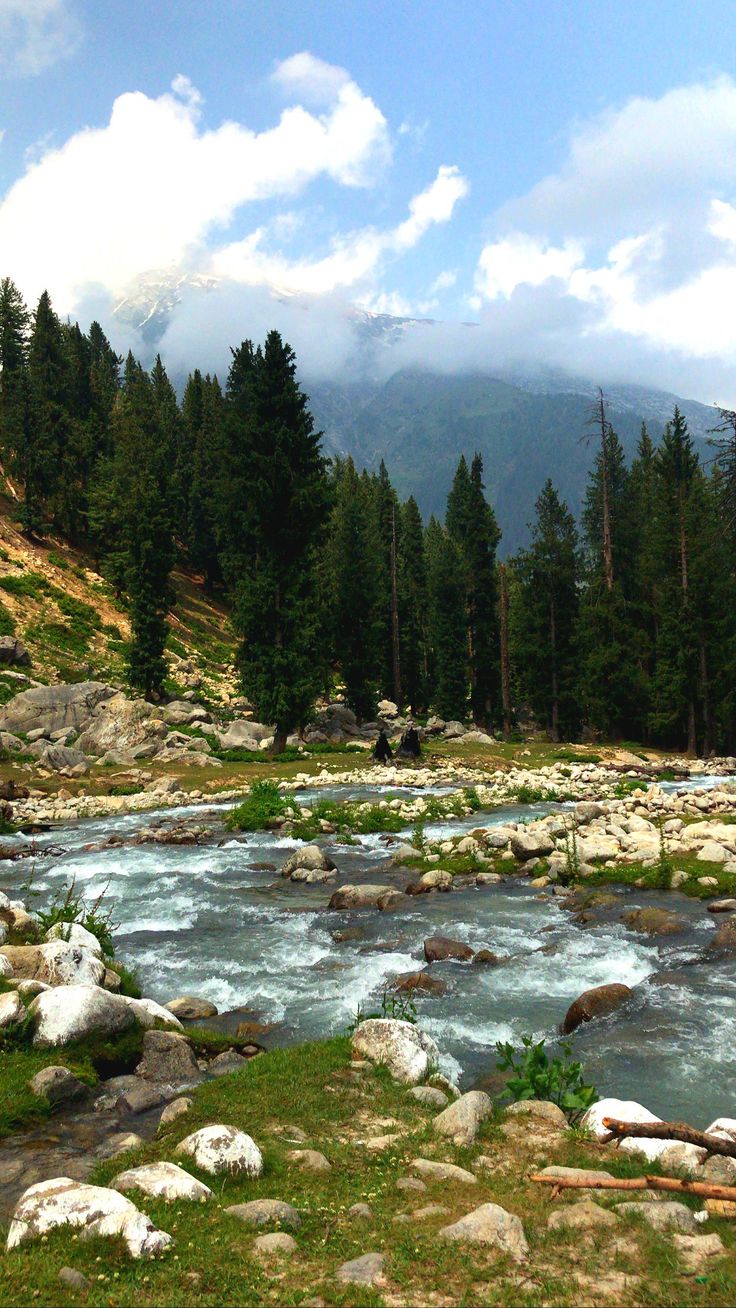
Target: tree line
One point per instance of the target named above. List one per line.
(622, 626)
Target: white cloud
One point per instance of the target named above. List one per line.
(152, 188)
(305, 76)
(520, 259)
(34, 34)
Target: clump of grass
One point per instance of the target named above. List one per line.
(7, 625)
(69, 907)
(264, 803)
(129, 982)
(26, 584)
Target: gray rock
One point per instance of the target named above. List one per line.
(360, 1211)
(188, 1008)
(411, 1183)
(461, 1120)
(365, 1270)
(11, 744)
(51, 708)
(61, 758)
(140, 1098)
(259, 1212)
(12, 1008)
(429, 1095)
(490, 1224)
(162, 1181)
(119, 1143)
(309, 859)
(72, 1279)
(167, 1059)
(576, 1173)
(91, 1210)
(582, 1216)
(310, 1160)
(175, 1109)
(225, 1063)
(531, 842)
(664, 1216)
(542, 1109)
(273, 1244)
(58, 1085)
(222, 1148)
(435, 1171)
(409, 1054)
(697, 1250)
(587, 812)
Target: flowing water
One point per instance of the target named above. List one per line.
(216, 920)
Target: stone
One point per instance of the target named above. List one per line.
(61, 758)
(680, 1157)
(58, 1086)
(188, 1008)
(12, 1008)
(276, 1242)
(429, 1210)
(582, 1216)
(57, 963)
(664, 1216)
(70, 1013)
(429, 1095)
(725, 1127)
(365, 1270)
(147, 1013)
(411, 1183)
(167, 1058)
(180, 713)
(260, 1212)
(243, 734)
(6, 967)
(219, 1148)
(310, 1160)
(541, 1109)
(53, 708)
(89, 1209)
(531, 842)
(654, 921)
(435, 1171)
(576, 1173)
(410, 982)
(597, 1002)
(438, 948)
(719, 1169)
(360, 1211)
(225, 1063)
(625, 1111)
(75, 934)
(436, 879)
(588, 811)
(462, 1120)
(140, 1098)
(724, 937)
(175, 1109)
(409, 1054)
(490, 1224)
(13, 653)
(363, 896)
(162, 1181)
(308, 860)
(722, 906)
(696, 1251)
(123, 726)
(119, 1143)
(72, 1279)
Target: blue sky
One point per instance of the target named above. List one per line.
(563, 174)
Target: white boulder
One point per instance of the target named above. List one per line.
(68, 1013)
(12, 1008)
(625, 1111)
(462, 1120)
(223, 1149)
(408, 1052)
(90, 1209)
(75, 934)
(490, 1224)
(162, 1181)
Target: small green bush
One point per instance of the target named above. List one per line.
(70, 907)
(264, 803)
(7, 625)
(25, 584)
(537, 1076)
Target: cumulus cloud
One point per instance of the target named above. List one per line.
(34, 34)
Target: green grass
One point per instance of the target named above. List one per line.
(25, 585)
(264, 803)
(629, 874)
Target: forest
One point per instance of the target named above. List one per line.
(621, 626)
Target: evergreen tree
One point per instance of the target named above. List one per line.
(545, 615)
(204, 482)
(472, 524)
(412, 596)
(353, 613)
(46, 461)
(448, 629)
(272, 567)
(14, 413)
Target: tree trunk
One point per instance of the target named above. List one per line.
(715, 1144)
(395, 646)
(279, 740)
(708, 733)
(703, 1189)
(505, 664)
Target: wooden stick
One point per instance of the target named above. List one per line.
(701, 1188)
(715, 1144)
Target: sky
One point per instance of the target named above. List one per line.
(560, 175)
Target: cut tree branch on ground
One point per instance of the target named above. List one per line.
(700, 1188)
(715, 1144)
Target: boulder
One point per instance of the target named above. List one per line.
(654, 921)
(461, 1120)
(260, 1212)
(724, 937)
(725, 1127)
(58, 1086)
(123, 726)
(582, 1216)
(435, 1171)
(180, 713)
(90, 1210)
(167, 1059)
(162, 1181)
(490, 1224)
(147, 1013)
(57, 963)
(74, 1012)
(429, 1095)
(13, 653)
(625, 1111)
(75, 934)
(217, 1149)
(10, 744)
(190, 1009)
(531, 842)
(273, 1244)
(438, 948)
(310, 1160)
(365, 1270)
(409, 1054)
(309, 864)
(363, 896)
(435, 879)
(177, 1108)
(225, 1063)
(410, 982)
(12, 1008)
(588, 811)
(663, 1216)
(61, 758)
(53, 708)
(576, 1173)
(243, 734)
(539, 1110)
(697, 1250)
(597, 1002)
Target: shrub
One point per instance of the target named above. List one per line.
(537, 1076)
(7, 625)
(29, 584)
(264, 803)
(397, 1007)
(71, 907)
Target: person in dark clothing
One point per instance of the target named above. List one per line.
(382, 752)
(409, 746)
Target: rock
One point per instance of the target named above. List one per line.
(175, 1109)
(724, 937)
(490, 1224)
(276, 1242)
(663, 1216)
(429, 1210)
(625, 1111)
(725, 1127)
(260, 1212)
(722, 906)
(597, 1002)
(74, 1012)
(438, 948)
(486, 958)
(409, 982)
(58, 1085)
(719, 1169)
(541, 1109)
(409, 1054)
(10, 744)
(180, 713)
(12, 1008)
(72, 1279)
(461, 1120)
(429, 1095)
(61, 758)
(190, 1009)
(227, 1062)
(359, 1211)
(13, 653)
(53, 708)
(123, 726)
(6, 967)
(531, 842)
(75, 934)
(167, 1058)
(89, 1209)
(309, 859)
(162, 1181)
(679, 1157)
(111, 981)
(57, 963)
(587, 812)
(147, 1013)
(411, 1183)
(365, 1270)
(310, 1160)
(435, 879)
(363, 896)
(120, 1143)
(654, 921)
(582, 1216)
(243, 734)
(697, 1250)
(139, 1098)
(576, 1173)
(443, 1171)
(219, 1148)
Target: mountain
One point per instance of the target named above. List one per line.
(528, 424)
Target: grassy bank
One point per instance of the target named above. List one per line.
(313, 1088)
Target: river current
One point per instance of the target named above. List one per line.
(216, 920)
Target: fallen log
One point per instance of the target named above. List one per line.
(715, 1144)
(701, 1188)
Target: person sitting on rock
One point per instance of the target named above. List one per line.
(411, 742)
(382, 752)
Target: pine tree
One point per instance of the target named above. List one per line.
(448, 624)
(472, 524)
(272, 567)
(202, 502)
(413, 601)
(353, 611)
(14, 382)
(45, 460)
(545, 616)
